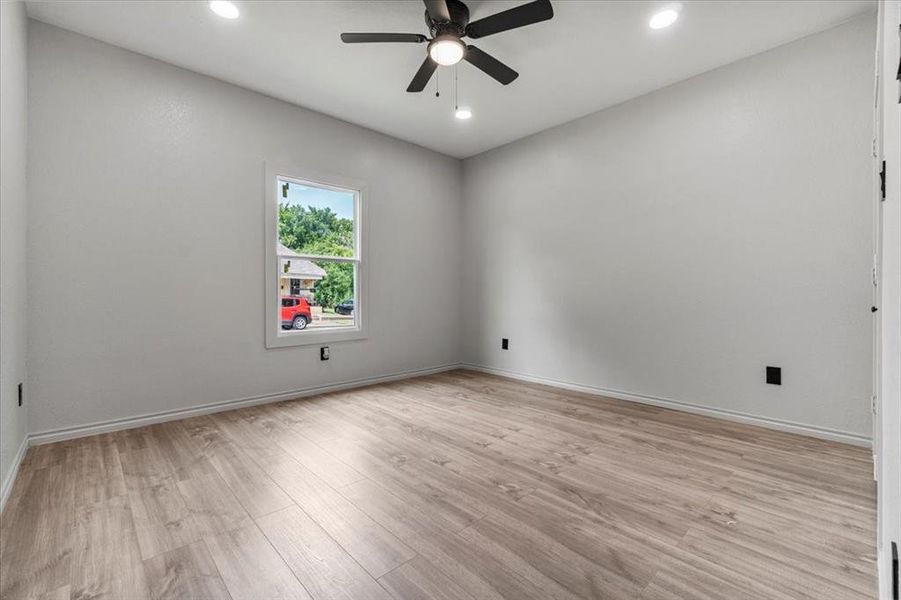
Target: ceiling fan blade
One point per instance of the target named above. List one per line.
(422, 75)
(362, 38)
(437, 10)
(490, 65)
(519, 16)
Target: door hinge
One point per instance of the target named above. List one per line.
(875, 405)
(882, 180)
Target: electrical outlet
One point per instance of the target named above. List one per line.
(505, 344)
(323, 353)
(774, 375)
(21, 392)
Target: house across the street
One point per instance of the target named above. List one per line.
(297, 275)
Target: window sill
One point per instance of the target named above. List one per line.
(289, 339)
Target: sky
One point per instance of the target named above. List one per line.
(341, 203)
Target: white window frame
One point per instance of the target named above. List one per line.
(276, 337)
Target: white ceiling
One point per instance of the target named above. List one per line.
(591, 55)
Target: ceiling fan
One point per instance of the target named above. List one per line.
(448, 22)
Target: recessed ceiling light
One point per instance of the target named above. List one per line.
(446, 50)
(665, 17)
(463, 114)
(225, 9)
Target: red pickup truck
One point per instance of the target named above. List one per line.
(295, 312)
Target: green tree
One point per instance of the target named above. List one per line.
(337, 286)
(299, 227)
(319, 231)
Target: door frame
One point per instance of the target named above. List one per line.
(887, 371)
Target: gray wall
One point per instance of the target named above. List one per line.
(146, 238)
(676, 244)
(669, 247)
(13, 104)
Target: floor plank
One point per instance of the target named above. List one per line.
(62, 593)
(377, 550)
(418, 579)
(98, 470)
(255, 490)
(106, 559)
(37, 530)
(326, 570)
(186, 572)
(212, 505)
(251, 567)
(161, 518)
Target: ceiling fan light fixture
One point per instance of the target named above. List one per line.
(446, 50)
(463, 114)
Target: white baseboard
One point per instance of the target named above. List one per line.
(68, 433)
(730, 415)
(10, 478)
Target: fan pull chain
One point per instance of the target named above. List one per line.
(437, 87)
(456, 90)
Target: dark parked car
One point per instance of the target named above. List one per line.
(345, 308)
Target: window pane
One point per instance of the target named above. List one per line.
(331, 294)
(321, 291)
(315, 220)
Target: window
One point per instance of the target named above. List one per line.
(314, 258)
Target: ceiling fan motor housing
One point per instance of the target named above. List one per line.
(459, 14)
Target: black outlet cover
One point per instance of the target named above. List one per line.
(774, 375)
(505, 344)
